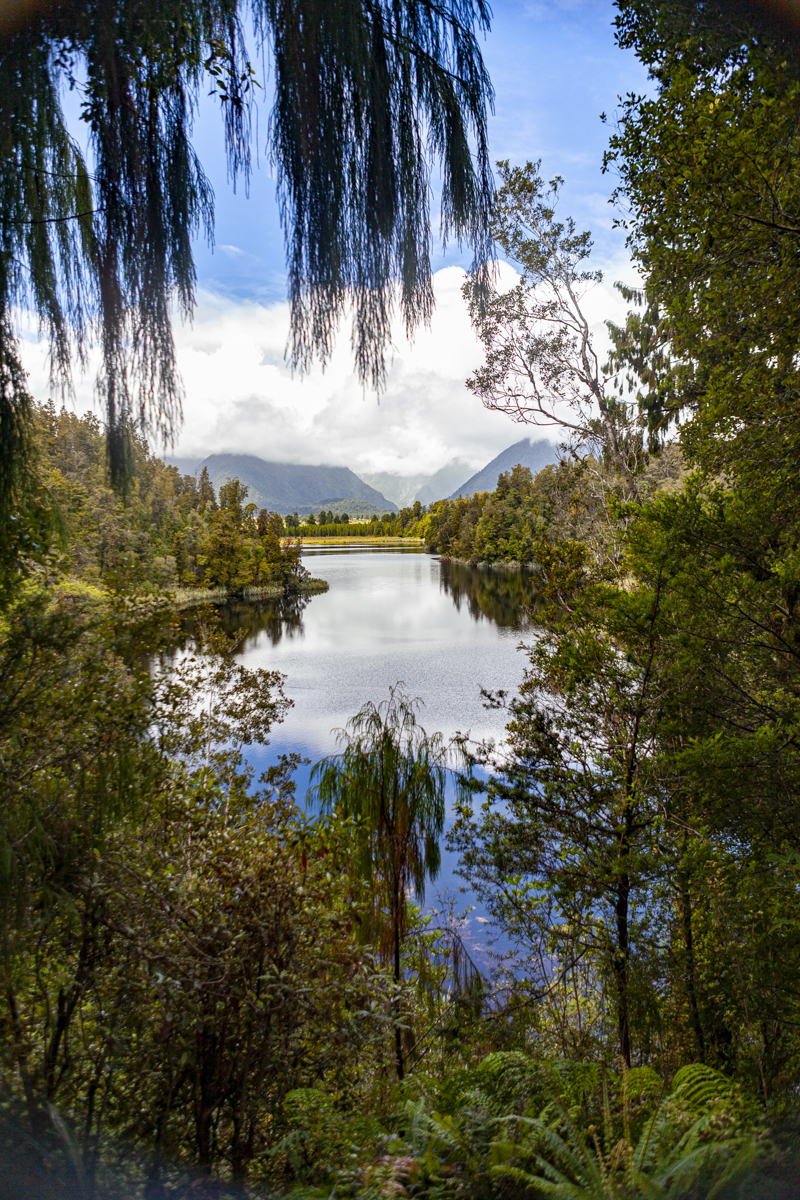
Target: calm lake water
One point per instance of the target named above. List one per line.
(445, 630)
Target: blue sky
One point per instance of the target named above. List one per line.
(555, 69)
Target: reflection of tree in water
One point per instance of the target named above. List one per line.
(505, 597)
(248, 618)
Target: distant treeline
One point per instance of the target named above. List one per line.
(502, 526)
(405, 523)
(507, 525)
(176, 531)
(498, 526)
(326, 517)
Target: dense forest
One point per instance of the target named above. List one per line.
(211, 990)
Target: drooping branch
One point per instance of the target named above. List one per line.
(368, 96)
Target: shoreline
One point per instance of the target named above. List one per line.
(355, 540)
(189, 597)
(501, 565)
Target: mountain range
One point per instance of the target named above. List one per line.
(302, 488)
(289, 487)
(405, 489)
(442, 483)
(400, 489)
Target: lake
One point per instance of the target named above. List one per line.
(444, 629)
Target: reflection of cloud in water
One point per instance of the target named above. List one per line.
(445, 630)
(388, 617)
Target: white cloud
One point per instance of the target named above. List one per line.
(242, 398)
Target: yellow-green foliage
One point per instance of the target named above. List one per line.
(499, 526)
(167, 531)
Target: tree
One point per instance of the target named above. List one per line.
(73, 729)
(280, 559)
(205, 487)
(232, 495)
(541, 366)
(707, 171)
(366, 96)
(226, 554)
(566, 845)
(176, 957)
(389, 781)
(728, 757)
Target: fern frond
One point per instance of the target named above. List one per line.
(700, 1086)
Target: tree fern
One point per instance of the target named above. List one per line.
(699, 1086)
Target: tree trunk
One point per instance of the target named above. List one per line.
(154, 1187)
(398, 1037)
(621, 954)
(36, 1112)
(205, 1095)
(689, 973)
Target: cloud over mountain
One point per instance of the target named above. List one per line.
(242, 399)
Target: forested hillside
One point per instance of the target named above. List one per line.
(521, 518)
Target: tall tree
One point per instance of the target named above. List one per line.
(542, 367)
(708, 174)
(389, 781)
(564, 848)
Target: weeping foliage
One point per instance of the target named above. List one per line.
(17, 532)
(363, 93)
(390, 782)
(45, 248)
(102, 256)
(367, 95)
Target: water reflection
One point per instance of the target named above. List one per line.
(504, 597)
(249, 619)
(446, 630)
